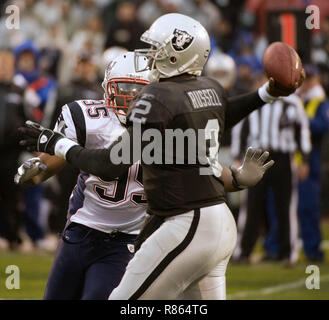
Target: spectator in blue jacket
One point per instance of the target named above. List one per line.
(317, 109)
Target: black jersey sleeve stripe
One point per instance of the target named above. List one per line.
(79, 122)
(169, 257)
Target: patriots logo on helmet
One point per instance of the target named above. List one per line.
(131, 247)
(181, 40)
(43, 139)
(110, 66)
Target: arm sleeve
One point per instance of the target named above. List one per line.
(239, 107)
(107, 164)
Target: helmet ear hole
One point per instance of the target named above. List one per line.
(173, 59)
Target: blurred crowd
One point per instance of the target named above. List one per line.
(59, 54)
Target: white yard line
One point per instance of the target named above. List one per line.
(274, 289)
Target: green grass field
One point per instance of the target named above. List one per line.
(254, 281)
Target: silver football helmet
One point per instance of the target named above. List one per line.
(122, 83)
(179, 44)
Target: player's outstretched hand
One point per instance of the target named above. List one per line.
(276, 90)
(37, 138)
(28, 170)
(252, 169)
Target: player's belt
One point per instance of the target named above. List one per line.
(113, 235)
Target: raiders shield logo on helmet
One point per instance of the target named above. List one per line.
(181, 40)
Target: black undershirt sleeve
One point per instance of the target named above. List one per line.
(239, 107)
(98, 161)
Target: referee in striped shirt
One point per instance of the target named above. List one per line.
(282, 128)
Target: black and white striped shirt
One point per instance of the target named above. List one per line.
(280, 127)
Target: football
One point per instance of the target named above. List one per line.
(282, 63)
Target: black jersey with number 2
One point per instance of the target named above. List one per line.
(189, 115)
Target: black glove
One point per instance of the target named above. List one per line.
(38, 138)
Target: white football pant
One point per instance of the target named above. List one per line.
(211, 287)
(185, 249)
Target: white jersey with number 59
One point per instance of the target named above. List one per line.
(102, 205)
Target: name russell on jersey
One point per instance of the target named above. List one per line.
(204, 98)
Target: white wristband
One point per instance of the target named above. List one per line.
(62, 146)
(264, 95)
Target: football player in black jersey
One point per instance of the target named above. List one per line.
(174, 127)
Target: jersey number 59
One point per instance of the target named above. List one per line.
(120, 191)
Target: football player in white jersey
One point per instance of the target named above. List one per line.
(104, 217)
